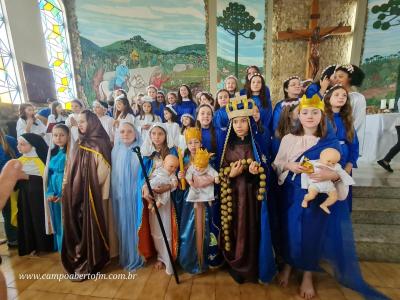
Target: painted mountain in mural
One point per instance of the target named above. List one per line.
(146, 63)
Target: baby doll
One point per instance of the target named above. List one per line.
(201, 178)
(164, 175)
(328, 158)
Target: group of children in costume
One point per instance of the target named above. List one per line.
(238, 183)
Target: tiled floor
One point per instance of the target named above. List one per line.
(152, 284)
(216, 284)
(375, 175)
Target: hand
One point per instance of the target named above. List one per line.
(181, 175)
(236, 169)
(13, 171)
(216, 180)
(253, 168)
(324, 174)
(162, 188)
(348, 168)
(146, 195)
(116, 123)
(295, 167)
(73, 122)
(324, 84)
(29, 122)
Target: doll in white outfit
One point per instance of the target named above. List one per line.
(164, 175)
(328, 158)
(201, 173)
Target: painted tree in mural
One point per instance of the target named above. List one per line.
(388, 17)
(238, 22)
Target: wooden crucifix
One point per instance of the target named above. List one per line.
(314, 35)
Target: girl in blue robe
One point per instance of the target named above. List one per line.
(154, 150)
(339, 112)
(209, 141)
(185, 104)
(55, 177)
(258, 94)
(250, 71)
(246, 239)
(310, 235)
(292, 89)
(220, 119)
(125, 204)
(190, 258)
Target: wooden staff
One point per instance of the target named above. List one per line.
(181, 168)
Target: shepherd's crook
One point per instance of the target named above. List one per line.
(139, 154)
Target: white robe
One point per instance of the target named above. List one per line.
(359, 106)
(146, 120)
(74, 132)
(165, 214)
(173, 134)
(39, 128)
(107, 123)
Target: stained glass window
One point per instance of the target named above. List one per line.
(58, 48)
(9, 89)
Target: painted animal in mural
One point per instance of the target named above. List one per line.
(137, 81)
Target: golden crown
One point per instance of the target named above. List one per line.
(315, 102)
(240, 107)
(201, 158)
(192, 133)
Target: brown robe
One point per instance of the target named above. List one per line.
(244, 229)
(86, 247)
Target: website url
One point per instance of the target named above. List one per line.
(59, 277)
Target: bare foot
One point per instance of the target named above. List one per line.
(307, 288)
(283, 276)
(159, 265)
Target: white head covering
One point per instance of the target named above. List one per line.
(30, 168)
(147, 99)
(171, 108)
(186, 115)
(147, 148)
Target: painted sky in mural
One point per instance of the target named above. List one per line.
(168, 23)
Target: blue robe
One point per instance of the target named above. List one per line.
(267, 95)
(121, 74)
(276, 116)
(159, 111)
(266, 260)
(54, 188)
(125, 203)
(349, 150)
(313, 89)
(310, 235)
(220, 123)
(186, 107)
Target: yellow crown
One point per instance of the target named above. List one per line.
(240, 107)
(201, 158)
(192, 133)
(314, 102)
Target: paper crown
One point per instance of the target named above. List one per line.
(314, 102)
(192, 133)
(201, 158)
(240, 107)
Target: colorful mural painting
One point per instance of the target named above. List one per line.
(381, 57)
(132, 44)
(239, 46)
